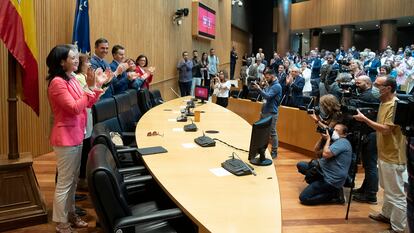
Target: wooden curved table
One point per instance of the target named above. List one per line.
(223, 204)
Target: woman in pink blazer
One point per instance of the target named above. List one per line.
(68, 102)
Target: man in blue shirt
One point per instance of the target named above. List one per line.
(334, 166)
(185, 74)
(272, 95)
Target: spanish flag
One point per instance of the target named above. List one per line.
(18, 32)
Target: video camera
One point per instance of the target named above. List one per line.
(349, 109)
(344, 66)
(404, 114)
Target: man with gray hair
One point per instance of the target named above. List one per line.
(371, 66)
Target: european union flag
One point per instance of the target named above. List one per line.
(81, 27)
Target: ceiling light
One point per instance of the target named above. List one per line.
(376, 25)
(409, 23)
(335, 29)
(360, 28)
(323, 32)
(239, 3)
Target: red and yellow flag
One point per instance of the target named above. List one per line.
(18, 32)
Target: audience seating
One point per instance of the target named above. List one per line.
(133, 100)
(103, 110)
(124, 113)
(235, 93)
(144, 100)
(109, 196)
(124, 156)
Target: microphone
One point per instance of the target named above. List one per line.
(175, 92)
(245, 164)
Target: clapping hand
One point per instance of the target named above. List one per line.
(102, 77)
(121, 68)
(90, 77)
(151, 69)
(289, 79)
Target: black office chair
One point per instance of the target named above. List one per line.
(156, 98)
(103, 110)
(235, 93)
(144, 100)
(109, 197)
(124, 113)
(124, 156)
(133, 100)
(254, 95)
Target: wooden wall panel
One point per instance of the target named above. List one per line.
(320, 13)
(241, 40)
(142, 26)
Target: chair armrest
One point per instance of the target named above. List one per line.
(127, 150)
(134, 169)
(137, 179)
(128, 134)
(156, 216)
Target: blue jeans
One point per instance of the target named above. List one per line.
(318, 192)
(273, 132)
(302, 167)
(369, 161)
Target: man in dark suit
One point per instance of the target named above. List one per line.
(293, 87)
(233, 59)
(97, 61)
(120, 82)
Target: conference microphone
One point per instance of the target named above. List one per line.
(245, 164)
(175, 92)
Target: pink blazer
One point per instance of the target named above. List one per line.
(68, 103)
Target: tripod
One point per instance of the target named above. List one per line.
(357, 140)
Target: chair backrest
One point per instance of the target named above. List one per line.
(156, 98)
(124, 112)
(101, 135)
(103, 110)
(133, 100)
(106, 188)
(144, 100)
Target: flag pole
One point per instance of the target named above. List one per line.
(12, 102)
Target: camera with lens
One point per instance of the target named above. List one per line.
(349, 109)
(321, 129)
(404, 114)
(344, 62)
(252, 79)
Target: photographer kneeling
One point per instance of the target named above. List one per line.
(333, 169)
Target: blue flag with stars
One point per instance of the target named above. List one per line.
(80, 36)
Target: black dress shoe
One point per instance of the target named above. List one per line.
(365, 198)
(79, 211)
(80, 197)
(359, 190)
